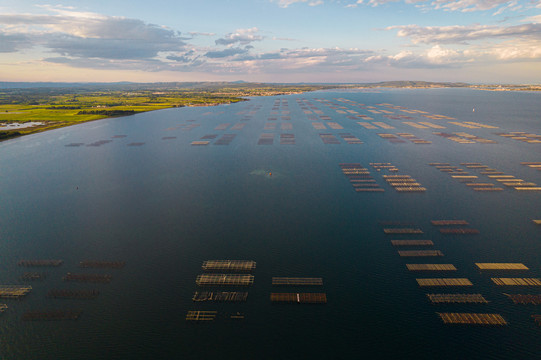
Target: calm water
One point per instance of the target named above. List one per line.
(152, 199)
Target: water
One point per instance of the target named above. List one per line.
(166, 206)
(12, 126)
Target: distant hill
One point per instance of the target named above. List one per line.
(210, 85)
(417, 84)
(34, 85)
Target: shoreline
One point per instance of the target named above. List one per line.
(14, 134)
(234, 97)
(65, 107)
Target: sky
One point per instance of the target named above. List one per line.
(286, 41)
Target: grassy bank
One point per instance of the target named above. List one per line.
(60, 110)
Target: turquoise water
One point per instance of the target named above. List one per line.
(151, 199)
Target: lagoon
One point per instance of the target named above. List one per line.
(135, 189)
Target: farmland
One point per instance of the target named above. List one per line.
(49, 107)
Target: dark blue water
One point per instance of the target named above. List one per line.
(165, 206)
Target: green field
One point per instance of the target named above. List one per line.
(65, 105)
(58, 107)
(67, 109)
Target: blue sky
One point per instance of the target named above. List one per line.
(476, 41)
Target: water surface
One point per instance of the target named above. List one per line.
(135, 189)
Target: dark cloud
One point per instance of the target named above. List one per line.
(225, 53)
(128, 29)
(13, 42)
(74, 46)
(188, 58)
(181, 59)
(92, 36)
(148, 65)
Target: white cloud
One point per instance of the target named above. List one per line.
(468, 5)
(485, 55)
(286, 3)
(435, 57)
(512, 6)
(95, 41)
(378, 2)
(198, 33)
(463, 34)
(241, 36)
(296, 61)
(534, 19)
(283, 39)
(449, 5)
(509, 51)
(439, 55)
(501, 6)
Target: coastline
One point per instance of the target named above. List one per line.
(51, 125)
(99, 105)
(67, 106)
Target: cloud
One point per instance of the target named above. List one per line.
(85, 40)
(90, 25)
(197, 33)
(13, 42)
(534, 19)
(189, 57)
(467, 5)
(107, 48)
(513, 51)
(509, 51)
(283, 39)
(109, 64)
(145, 65)
(303, 60)
(225, 53)
(464, 34)
(435, 57)
(376, 2)
(319, 55)
(511, 6)
(241, 36)
(501, 6)
(180, 59)
(286, 3)
(450, 5)
(77, 34)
